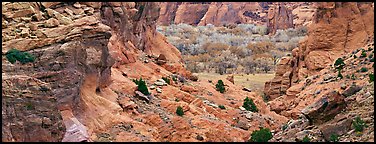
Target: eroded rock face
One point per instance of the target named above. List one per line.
(325, 108)
(279, 17)
(65, 55)
(216, 13)
(325, 42)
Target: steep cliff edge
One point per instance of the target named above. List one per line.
(325, 43)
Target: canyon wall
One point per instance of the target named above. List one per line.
(216, 13)
(75, 45)
(279, 17)
(276, 15)
(68, 48)
(325, 43)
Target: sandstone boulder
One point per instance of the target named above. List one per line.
(339, 126)
(325, 108)
(140, 95)
(351, 90)
(161, 59)
(188, 89)
(52, 22)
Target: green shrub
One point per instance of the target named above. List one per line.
(135, 81)
(29, 106)
(262, 135)
(353, 77)
(371, 78)
(179, 111)
(249, 105)
(333, 138)
(141, 86)
(221, 107)
(355, 57)
(174, 78)
(167, 80)
(364, 54)
(339, 74)
(347, 76)
(363, 69)
(359, 124)
(338, 64)
(177, 100)
(220, 86)
(306, 139)
(14, 55)
(284, 127)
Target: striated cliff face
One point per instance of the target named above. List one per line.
(67, 52)
(279, 17)
(276, 15)
(324, 44)
(216, 13)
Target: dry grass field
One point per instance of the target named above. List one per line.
(255, 82)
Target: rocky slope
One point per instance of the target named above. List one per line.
(79, 88)
(325, 43)
(306, 88)
(323, 104)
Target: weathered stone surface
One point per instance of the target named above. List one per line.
(279, 17)
(351, 90)
(54, 80)
(142, 96)
(339, 126)
(161, 59)
(215, 13)
(277, 106)
(325, 108)
(188, 89)
(52, 22)
(324, 43)
(76, 131)
(160, 82)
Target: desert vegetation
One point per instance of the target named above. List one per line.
(262, 135)
(14, 55)
(242, 48)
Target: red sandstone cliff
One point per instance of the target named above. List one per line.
(216, 13)
(280, 15)
(338, 29)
